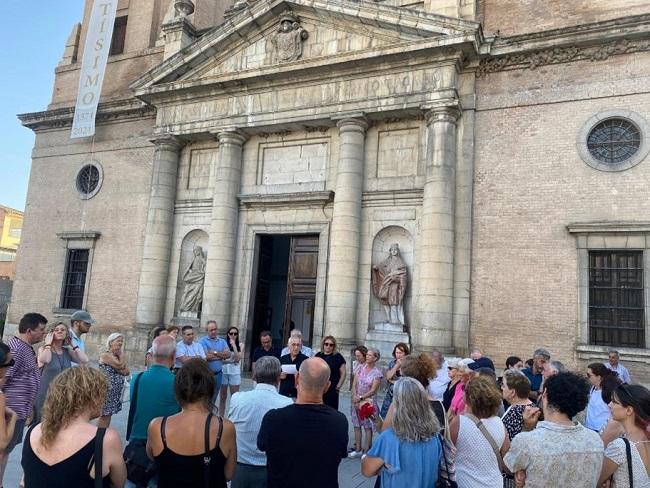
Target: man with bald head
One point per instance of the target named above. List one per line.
(305, 442)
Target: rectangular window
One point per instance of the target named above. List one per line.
(7, 256)
(119, 36)
(74, 282)
(616, 308)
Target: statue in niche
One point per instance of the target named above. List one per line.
(287, 41)
(389, 282)
(193, 278)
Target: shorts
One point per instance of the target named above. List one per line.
(18, 436)
(233, 379)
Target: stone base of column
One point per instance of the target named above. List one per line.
(384, 339)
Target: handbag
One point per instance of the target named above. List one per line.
(447, 465)
(628, 455)
(139, 468)
(490, 439)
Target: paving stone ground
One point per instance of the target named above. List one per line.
(349, 471)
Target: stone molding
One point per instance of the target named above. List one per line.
(79, 235)
(168, 142)
(600, 353)
(232, 136)
(356, 123)
(622, 227)
(444, 113)
(319, 198)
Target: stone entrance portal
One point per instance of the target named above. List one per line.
(285, 287)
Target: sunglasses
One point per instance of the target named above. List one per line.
(9, 364)
(233, 333)
(328, 344)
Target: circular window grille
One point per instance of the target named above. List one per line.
(89, 179)
(614, 141)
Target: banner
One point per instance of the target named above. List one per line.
(93, 66)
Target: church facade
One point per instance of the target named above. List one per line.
(257, 164)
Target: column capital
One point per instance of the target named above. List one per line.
(352, 122)
(231, 136)
(168, 142)
(449, 112)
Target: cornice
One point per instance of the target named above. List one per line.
(309, 199)
(107, 111)
(625, 227)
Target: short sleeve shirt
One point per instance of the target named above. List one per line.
(194, 350)
(22, 379)
(535, 379)
(216, 345)
(260, 352)
(615, 451)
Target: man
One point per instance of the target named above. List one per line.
(216, 350)
(552, 368)
(558, 452)
(438, 384)
(80, 322)
(23, 378)
(265, 349)
(614, 365)
(155, 394)
(534, 374)
(246, 411)
(305, 442)
(187, 348)
(307, 351)
(293, 358)
(480, 360)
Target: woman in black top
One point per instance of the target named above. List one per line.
(180, 443)
(336, 362)
(455, 377)
(60, 451)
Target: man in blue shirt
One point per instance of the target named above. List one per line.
(216, 350)
(534, 374)
(155, 392)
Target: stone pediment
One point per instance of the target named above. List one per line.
(290, 34)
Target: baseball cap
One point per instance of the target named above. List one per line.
(83, 316)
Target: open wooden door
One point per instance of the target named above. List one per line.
(301, 287)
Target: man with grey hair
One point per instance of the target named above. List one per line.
(246, 411)
(614, 365)
(552, 368)
(152, 395)
(310, 452)
(307, 351)
(535, 374)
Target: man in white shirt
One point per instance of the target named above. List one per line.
(438, 385)
(187, 348)
(80, 322)
(307, 351)
(614, 365)
(247, 409)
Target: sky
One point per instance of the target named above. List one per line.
(33, 38)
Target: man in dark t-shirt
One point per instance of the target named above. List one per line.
(305, 442)
(266, 348)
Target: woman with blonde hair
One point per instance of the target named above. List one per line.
(113, 364)
(336, 362)
(60, 451)
(56, 354)
(365, 386)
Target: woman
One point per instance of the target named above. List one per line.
(393, 373)
(454, 380)
(59, 452)
(513, 363)
(457, 405)
(55, 355)
(477, 465)
(408, 453)
(113, 364)
(597, 410)
(157, 331)
(177, 443)
(231, 368)
(515, 389)
(8, 420)
(174, 330)
(336, 362)
(365, 385)
(630, 406)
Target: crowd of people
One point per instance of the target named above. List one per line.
(441, 422)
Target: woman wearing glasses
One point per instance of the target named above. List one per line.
(336, 362)
(630, 406)
(8, 420)
(231, 369)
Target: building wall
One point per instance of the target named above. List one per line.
(11, 222)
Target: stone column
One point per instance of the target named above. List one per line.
(434, 327)
(342, 293)
(222, 244)
(152, 290)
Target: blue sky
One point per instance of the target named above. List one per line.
(33, 38)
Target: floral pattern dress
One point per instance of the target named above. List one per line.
(113, 402)
(365, 378)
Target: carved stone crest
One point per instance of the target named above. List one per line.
(287, 41)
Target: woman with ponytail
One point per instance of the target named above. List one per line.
(630, 406)
(597, 410)
(231, 369)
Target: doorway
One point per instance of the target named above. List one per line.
(285, 287)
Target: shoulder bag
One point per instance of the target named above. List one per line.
(139, 468)
(490, 439)
(446, 465)
(207, 456)
(98, 457)
(628, 455)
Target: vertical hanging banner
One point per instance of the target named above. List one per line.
(93, 66)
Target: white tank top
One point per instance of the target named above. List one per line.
(476, 464)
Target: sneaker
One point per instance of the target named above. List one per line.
(355, 454)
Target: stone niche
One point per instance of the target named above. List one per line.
(381, 335)
(193, 238)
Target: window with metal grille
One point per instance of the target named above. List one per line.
(119, 36)
(616, 309)
(613, 141)
(88, 179)
(74, 282)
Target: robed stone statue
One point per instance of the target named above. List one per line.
(193, 280)
(389, 282)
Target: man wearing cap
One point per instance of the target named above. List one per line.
(80, 322)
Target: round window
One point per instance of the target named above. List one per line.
(89, 179)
